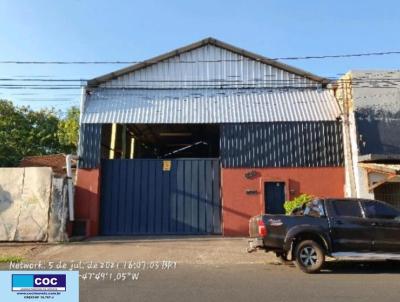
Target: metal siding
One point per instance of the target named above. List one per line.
(290, 144)
(138, 197)
(89, 145)
(196, 106)
(216, 197)
(378, 132)
(376, 101)
(209, 66)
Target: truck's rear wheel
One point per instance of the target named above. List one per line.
(310, 256)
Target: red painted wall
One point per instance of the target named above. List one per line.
(238, 207)
(87, 199)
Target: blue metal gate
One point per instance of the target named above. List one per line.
(151, 196)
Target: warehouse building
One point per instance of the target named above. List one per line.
(371, 113)
(198, 140)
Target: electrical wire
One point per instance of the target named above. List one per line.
(213, 81)
(380, 53)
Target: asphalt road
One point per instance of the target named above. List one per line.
(253, 282)
(209, 269)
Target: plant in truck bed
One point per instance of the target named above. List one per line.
(296, 204)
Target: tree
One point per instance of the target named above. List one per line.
(68, 131)
(25, 132)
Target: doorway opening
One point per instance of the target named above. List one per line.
(274, 197)
(160, 141)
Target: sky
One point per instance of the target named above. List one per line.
(99, 30)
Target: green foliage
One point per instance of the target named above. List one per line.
(25, 132)
(290, 205)
(7, 259)
(68, 130)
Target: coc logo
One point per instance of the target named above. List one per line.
(30, 282)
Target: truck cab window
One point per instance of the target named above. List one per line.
(379, 210)
(346, 208)
(314, 208)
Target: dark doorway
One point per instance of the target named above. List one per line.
(160, 141)
(389, 192)
(274, 194)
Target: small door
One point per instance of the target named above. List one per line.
(274, 194)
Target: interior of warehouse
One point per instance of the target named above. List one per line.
(159, 141)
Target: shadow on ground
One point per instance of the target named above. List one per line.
(349, 267)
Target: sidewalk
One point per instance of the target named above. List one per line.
(187, 250)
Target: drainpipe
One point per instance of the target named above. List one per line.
(70, 186)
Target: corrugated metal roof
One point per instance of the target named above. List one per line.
(208, 59)
(196, 106)
(376, 90)
(209, 67)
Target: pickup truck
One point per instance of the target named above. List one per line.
(345, 229)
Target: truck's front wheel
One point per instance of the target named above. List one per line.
(310, 256)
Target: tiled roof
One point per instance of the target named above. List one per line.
(55, 161)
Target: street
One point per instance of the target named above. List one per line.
(253, 282)
(205, 269)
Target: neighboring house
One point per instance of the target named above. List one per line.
(199, 139)
(371, 105)
(54, 161)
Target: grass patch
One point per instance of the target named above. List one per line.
(7, 259)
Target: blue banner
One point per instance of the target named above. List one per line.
(56, 286)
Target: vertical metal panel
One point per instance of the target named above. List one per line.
(378, 131)
(173, 179)
(285, 144)
(180, 202)
(144, 199)
(187, 199)
(216, 205)
(209, 209)
(89, 145)
(138, 197)
(153, 186)
(202, 197)
(158, 198)
(129, 192)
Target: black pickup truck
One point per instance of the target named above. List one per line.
(348, 229)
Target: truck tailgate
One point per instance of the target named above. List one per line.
(253, 226)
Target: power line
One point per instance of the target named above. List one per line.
(342, 55)
(382, 53)
(48, 100)
(41, 80)
(217, 80)
(208, 84)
